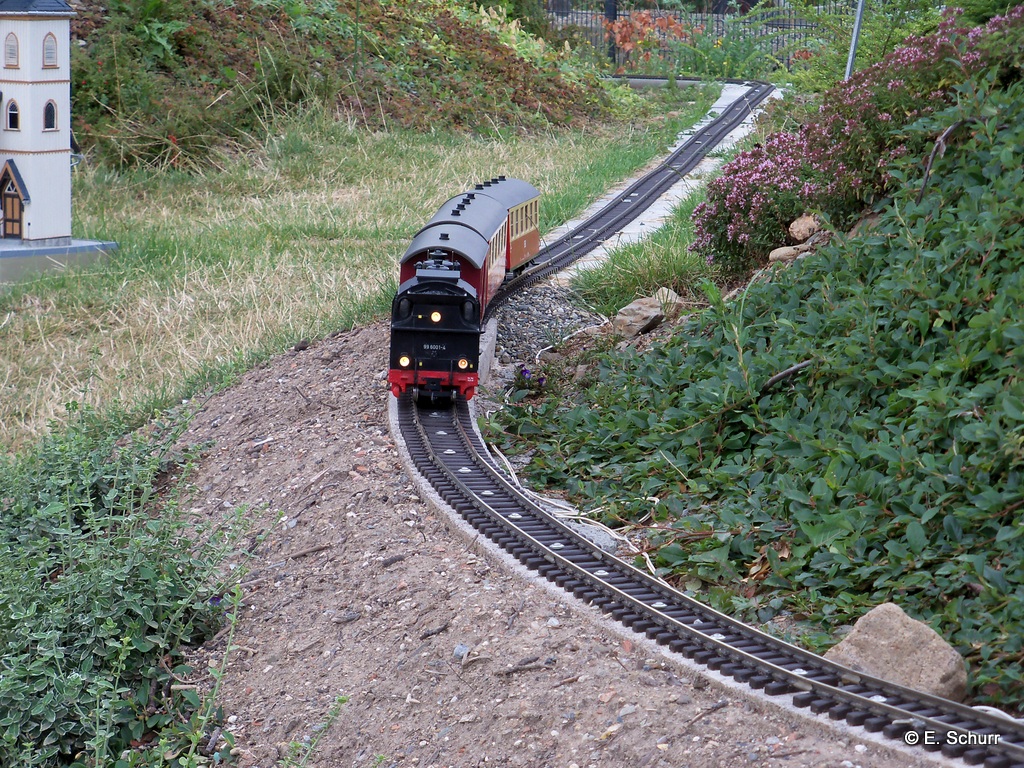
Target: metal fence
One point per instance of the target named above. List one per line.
(777, 31)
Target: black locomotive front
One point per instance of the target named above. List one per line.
(435, 333)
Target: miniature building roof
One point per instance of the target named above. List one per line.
(35, 7)
(11, 169)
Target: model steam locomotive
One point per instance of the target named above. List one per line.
(449, 274)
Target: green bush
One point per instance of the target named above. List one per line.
(851, 432)
(102, 581)
(742, 50)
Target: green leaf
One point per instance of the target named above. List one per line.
(917, 539)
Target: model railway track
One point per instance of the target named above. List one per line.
(639, 196)
(449, 454)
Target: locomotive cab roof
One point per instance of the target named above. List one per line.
(477, 210)
(428, 287)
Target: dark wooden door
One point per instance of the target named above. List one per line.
(12, 208)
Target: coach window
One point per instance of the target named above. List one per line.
(12, 119)
(11, 51)
(49, 51)
(50, 116)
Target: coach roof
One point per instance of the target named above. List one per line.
(508, 192)
(454, 237)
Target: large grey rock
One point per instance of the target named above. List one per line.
(887, 643)
(641, 316)
(671, 303)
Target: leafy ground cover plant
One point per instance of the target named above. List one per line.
(837, 162)
(851, 432)
(102, 582)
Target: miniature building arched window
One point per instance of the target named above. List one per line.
(50, 116)
(11, 51)
(49, 51)
(12, 118)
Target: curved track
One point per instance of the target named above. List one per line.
(448, 453)
(639, 196)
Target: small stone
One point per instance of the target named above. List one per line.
(629, 709)
(461, 651)
(641, 316)
(785, 254)
(803, 227)
(553, 622)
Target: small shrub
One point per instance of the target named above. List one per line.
(741, 51)
(101, 584)
(818, 61)
(838, 164)
(647, 40)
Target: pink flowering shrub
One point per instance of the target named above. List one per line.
(838, 163)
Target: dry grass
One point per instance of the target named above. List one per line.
(294, 241)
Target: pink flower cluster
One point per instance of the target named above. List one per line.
(840, 163)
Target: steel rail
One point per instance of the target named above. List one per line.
(457, 464)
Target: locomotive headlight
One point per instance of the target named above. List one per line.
(435, 316)
(404, 361)
(463, 364)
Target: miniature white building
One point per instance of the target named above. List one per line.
(35, 122)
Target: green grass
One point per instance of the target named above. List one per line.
(662, 260)
(294, 240)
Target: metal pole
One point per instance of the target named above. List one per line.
(853, 41)
(611, 13)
